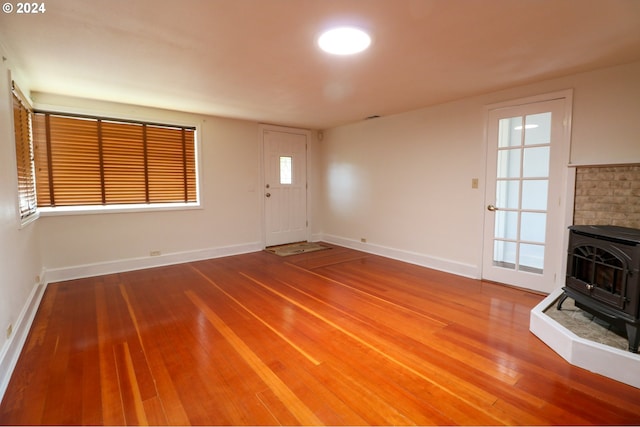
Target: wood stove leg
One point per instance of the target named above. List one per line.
(634, 337)
(561, 300)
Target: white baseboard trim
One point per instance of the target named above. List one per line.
(595, 357)
(12, 348)
(441, 264)
(119, 266)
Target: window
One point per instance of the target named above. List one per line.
(91, 161)
(285, 170)
(22, 115)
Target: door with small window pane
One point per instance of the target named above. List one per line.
(285, 185)
(525, 162)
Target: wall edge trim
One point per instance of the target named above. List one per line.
(12, 349)
(130, 264)
(441, 264)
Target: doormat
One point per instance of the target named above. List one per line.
(296, 248)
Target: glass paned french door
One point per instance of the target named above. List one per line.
(524, 224)
(522, 182)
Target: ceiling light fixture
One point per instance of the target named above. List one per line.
(526, 127)
(344, 41)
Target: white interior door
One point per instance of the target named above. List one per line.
(285, 185)
(527, 156)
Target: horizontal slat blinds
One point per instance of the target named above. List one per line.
(124, 164)
(94, 161)
(41, 162)
(167, 177)
(75, 161)
(24, 156)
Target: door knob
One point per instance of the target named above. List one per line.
(492, 208)
(268, 194)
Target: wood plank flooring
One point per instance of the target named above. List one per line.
(336, 337)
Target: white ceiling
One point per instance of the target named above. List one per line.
(257, 59)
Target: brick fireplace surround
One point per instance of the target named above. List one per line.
(604, 195)
(607, 195)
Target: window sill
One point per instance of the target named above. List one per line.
(89, 210)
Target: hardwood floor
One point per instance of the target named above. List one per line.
(335, 337)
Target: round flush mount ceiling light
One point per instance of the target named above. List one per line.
(526, 127)
(344, 41)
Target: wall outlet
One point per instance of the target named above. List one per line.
(363, 239)
(9, 330)
(154, 253)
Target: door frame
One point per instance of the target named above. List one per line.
(565, 209)
(262, 128)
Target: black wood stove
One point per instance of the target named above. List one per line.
(603, 275)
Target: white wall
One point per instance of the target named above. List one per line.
(606, 116)
(403, 182)
(20, 260)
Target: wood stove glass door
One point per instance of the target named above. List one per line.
(524, 189)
